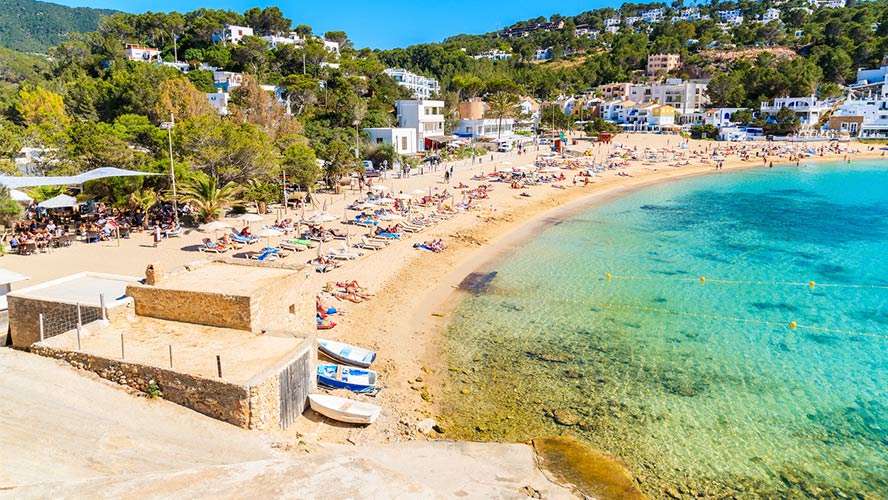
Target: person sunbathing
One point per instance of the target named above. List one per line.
(322, 310)
(337, 233)
(351, 288)
(212, 246)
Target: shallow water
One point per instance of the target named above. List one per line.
(699, 386)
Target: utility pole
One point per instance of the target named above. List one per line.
(169, 126)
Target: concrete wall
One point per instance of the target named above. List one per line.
(202, 308)
(271, 307)
(24, 317)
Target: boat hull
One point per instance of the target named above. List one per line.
(344, 410)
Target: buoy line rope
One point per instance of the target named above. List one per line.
(605, 305)
(811, 284)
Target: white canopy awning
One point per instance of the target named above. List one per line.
(60, 201)
(69, 180)
(17, 195)
(7, 277)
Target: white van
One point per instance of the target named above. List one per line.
(504, 147)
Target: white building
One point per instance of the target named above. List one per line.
(866, 118)
(424, 116)
(873, 80)
(297, 40)
(219, 101)
(613, 21)
(143, 54)
(494, 55)
(421, 86)
(689, 14)
(543, 54)
(731, 17)
(771, 15)
(686, 97)
(232, 34)
(807, 109)
(227, 80)
(486, 127)
(402, 139)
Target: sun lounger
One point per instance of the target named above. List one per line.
(371, 244)
(216, 249)
(292, 247)
(261, 255)
(243, 239)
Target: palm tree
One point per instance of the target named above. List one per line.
(502, 105)
(205, 195)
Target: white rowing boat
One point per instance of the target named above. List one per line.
(346, 353)
(344, 410)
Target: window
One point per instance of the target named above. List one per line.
(379, 140)
(403, 143)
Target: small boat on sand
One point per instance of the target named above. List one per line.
(346, 377)
(346, 353)
(344, 410)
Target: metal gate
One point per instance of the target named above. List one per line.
(295, 384)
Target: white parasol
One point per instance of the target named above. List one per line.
(214, 226)
(269, 233)
(366, 206)
(17, 195)
(321, 218)
(402, 196)
(385, 201)
(379, 187)
(250, 218)
(390, 217)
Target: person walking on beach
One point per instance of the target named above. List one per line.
(446, 177)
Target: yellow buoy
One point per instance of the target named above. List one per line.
(608, 276)
(812, 284)
(702, 279)
(793, 325)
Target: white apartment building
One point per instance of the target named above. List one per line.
(731, 17)
(689, 14)
(402, 139)
(219, 102)
(486, 128)
(143, 54)
(613, 21)
(233, 34)
(807, 109)
(494, 55)
(867, 117)
(686, 97)
(424, 116)
(421, 86)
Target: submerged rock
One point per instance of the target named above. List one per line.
(547, 357)
(565, 417)
(593, 473)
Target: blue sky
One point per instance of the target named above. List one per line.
(381, 24)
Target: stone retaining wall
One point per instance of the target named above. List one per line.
(187, 306)
(248, 407)
(24, 316)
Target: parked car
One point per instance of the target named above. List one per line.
(432, 159)
(504, 147)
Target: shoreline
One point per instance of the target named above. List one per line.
(415, 377)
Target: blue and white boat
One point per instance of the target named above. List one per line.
(346, 377)
(346, 353)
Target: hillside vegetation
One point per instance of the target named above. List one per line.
(31, 26)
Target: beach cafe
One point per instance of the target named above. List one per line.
(59, 220)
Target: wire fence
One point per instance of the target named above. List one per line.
(67, 317)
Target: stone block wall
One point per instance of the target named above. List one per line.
(265, 404)
(215, 398)
(24, 317)
(282, 307)
(201, 308)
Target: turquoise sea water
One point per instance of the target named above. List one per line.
(702, 387)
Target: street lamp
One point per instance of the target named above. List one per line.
(169, 128)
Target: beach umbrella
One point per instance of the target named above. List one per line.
(320, 250)
(366, 206)
(549, 170)
(268, 233)
(390, 217)
(322, 218)
(419, 191)
(60, 201)
(402, 196)
(17, 195)
(385, 201)
(214, 226)
(379, 187)
(250, 218)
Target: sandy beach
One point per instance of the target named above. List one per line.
(414, 288)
